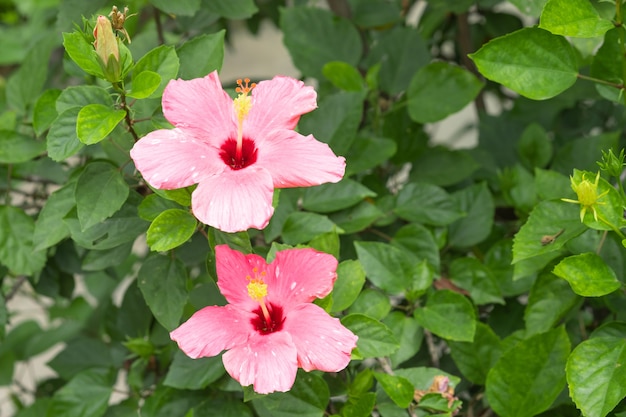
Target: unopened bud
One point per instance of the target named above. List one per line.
(107, 48)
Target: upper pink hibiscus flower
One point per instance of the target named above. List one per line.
(237, 151)
(270, 328)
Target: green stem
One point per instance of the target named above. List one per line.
(599, 81)
(612, 226)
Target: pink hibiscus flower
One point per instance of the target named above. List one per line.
(237, 151)
(270, 328)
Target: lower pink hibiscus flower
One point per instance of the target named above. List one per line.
(270, 328)
(237, 151)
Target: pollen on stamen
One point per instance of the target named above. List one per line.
(257, 288)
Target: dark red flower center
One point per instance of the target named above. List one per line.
(230, 156)
(274, 324)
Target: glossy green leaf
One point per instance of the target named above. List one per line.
(389, 268)
(530, 7)
(368, 152)
(434, 166)
(350, 280)
(475, 359)
(399, 389)
(162, 281)
(605, 67)
(45, 111)
(335, 196)
(419, 241)
(102, 259)
(550, 299)
(307, 398)
(16, 148)
(49, 227)
(477, 279)
(475, 227)
(529, 376)
(311, 34)
(448, 315)
(357, 218)
(371, 303)
(596, 375)
(547, 219)
(343, 76)
(144, 84)
(375, 339)
(62, 139)
(153, 205)
(86, 395)
(408, 332)
(588, 275)
(201, 55)
(100, 192)
(95, 122)
(576, 18)
(81, 96)
(427, 204)
(530, 61)
(82, 53)
(16, 242)
(80, 354)
(162, 60)
(187, 373)
(301, 227)
(438, 80)
(171, 229)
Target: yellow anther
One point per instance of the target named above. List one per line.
(257, 288)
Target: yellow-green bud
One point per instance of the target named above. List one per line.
(107, 48)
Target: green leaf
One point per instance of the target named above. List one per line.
(162, 281)
(153, 205)
(45, 111)
(605, 67)
(356, 218)
(368, 152)
(3, 322)
(62, 138)
(187, 373)
(180, 7)
(16, 242)
(596, 375)
(475, 359)
(308, 397)
(475, 227)
(201, 55)
(547, 219)
(144, 84)
(471, 275)
(171, 229)
(550, 185)
(448, 315)
(100, 192)
(82, 53)
(49, 227)
(86, 395)
(534, 147)
(162, 60)
(530, 7)
(102, 259)
(343, 76)
(409, 334)
(434, 166)
(301, 227)
(427, 204)
(311, 36)
(335, 196)
(399, 389)
(374, 13)
(576, 18)
(549, 301)
(335, 121)
(451, 87)
(530, 61)
(371, 303)
(529, 376)
(389, 268)
(350, 280)
(80, 354)
(16, 148)
(95, 122)
(588, 275)
(81, 96)
(418, 241)
(232, 9)
(375, 339)
(7, 359)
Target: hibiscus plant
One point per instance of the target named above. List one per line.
(425, 219)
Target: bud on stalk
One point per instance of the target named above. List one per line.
(107, 49)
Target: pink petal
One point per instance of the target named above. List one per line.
(294, 160)
(212, 330)
(235, 200)
(300, 276)
(169, 158)
(201, 107)
(322, 342)
(278, 104)
(268, 362)
(233, 268)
